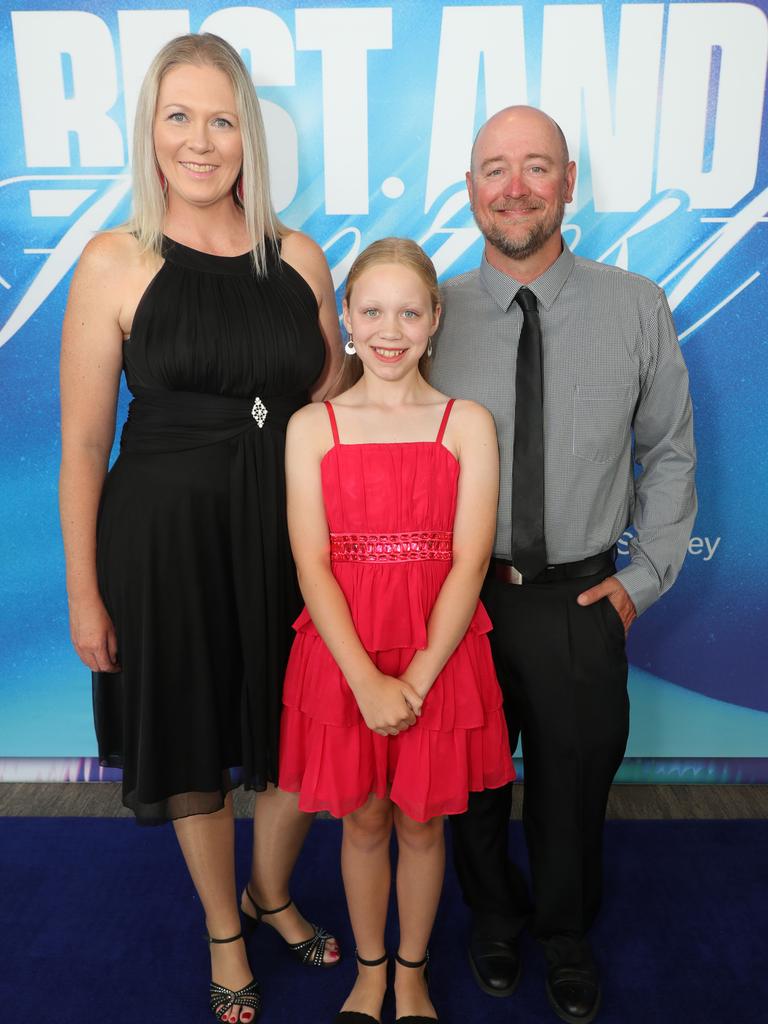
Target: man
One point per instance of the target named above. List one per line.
(580, 366)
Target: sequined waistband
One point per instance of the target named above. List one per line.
(422, 546)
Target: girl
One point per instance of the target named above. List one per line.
(392, 709)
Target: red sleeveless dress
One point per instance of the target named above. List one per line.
(390, 510)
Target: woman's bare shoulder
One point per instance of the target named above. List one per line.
(308, 259)
(112, 249)
(111, 276)
(297, 245)
(115, 258)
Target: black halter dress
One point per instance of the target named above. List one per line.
(193, 558)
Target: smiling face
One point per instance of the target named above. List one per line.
(519, 183)
(390, 315)
(196, 134)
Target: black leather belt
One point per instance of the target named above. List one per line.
(507, 573)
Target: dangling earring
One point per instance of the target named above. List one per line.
(349, 348)
(429, 349)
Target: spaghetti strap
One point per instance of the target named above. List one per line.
(444, 421)
(332, 418)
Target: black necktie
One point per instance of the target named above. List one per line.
(529, 554)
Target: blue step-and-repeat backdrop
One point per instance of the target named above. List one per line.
(370, 112)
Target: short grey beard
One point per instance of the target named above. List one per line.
(525, 247)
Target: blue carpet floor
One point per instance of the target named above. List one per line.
(99, 923)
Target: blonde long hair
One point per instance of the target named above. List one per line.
(407, 253)
(149, 206)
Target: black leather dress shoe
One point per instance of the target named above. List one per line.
(496, 965)
(574, 992)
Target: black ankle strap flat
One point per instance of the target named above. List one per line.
(355, 1016)
(371, 963)
(415, 964)
(412, 963)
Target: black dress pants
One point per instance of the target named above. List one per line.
(563, 673)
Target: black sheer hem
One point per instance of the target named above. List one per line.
(186, 804)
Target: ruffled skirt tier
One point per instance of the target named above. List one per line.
(458, 745)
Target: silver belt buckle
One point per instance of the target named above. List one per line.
(516, 575)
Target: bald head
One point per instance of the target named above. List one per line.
(520, 120)
(520, 181)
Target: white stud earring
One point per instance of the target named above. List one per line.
(349, 348)
(429, 349)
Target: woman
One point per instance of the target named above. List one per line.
(179, 575)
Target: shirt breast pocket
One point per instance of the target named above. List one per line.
(601, 417)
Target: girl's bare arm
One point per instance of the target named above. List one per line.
(387, 705)
(472, 430)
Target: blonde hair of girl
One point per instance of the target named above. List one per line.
(406, 253)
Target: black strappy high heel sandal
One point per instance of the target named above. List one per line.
(355, 1016)
(223, 999)
(411, 1018)
(309, 951)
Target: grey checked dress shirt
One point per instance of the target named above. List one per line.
(618, 431)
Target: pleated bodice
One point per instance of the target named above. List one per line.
(209, 324)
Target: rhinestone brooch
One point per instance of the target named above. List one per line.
(259, 412)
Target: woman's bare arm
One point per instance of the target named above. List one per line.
(91, 361)
(306, 257)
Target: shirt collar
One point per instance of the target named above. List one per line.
(503, 288)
